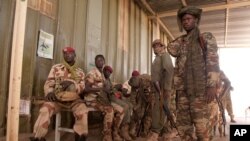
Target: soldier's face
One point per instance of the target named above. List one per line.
(106, 74)
(188, 22)
(69, 57)
(157, 48)
(99, 62)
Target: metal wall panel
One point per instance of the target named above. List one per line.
(7, 8)
(125, 39)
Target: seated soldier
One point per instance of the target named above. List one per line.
(93, 95)
(61, 89)
(115, 97)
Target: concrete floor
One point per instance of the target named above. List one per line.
(95, 134)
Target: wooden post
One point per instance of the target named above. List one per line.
(16, 70)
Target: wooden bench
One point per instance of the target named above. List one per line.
(59, 129)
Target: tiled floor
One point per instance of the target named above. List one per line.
(95, 134)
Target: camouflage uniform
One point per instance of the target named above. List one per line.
(226, 98)
(213, 119)
(96, 79)
(60, 72)
(192, 107)
(142, 99)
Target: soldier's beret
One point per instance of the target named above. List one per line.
(68, 49)
(108, 68)
(135, 73)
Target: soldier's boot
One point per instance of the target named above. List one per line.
(132, 131)
(152, 136)
(147, 124)
(37, 139)
(116, 136)
(220, 130)
(232, 119)
(80, 137)
(125, 132)
(107, 136)
(168, 136)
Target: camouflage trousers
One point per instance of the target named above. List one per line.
(213, 119)
(192, 113)
(78, 108)
(108, 112)
(127, 108)
(227, 104)
(118, 115)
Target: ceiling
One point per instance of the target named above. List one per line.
(228, 20)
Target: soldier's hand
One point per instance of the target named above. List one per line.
(51, 97)
(211, 94)
(66, 84)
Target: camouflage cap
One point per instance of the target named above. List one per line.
(157, 41)
(189, 10)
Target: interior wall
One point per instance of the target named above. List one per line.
(118, 29)
(7, 8)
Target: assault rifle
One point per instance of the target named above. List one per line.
(221, 107)
(167, 112)
(142, 120)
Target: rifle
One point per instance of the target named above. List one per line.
(168, 113)
(142, 119)
(222, 111)
(221, 107)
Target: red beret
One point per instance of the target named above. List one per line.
(108, 68)
(135, 73)
(68, 49)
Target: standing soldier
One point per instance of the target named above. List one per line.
(162, 74)
(226, 97)
(196, 73)
(62, 88)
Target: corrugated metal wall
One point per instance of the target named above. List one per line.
(123, 35)
(6, 23)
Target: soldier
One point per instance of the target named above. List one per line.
(226, 98)
(94, 87)
(142, 94)
(121, 117)
(162, 74)
(65, 81)
(195, 75)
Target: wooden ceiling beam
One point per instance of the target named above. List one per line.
(158, 20)
(183, 2)
(208, 8)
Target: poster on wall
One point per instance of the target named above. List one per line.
(45, 45)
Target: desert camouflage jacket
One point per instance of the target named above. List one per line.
(59, 72)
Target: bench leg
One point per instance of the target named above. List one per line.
(58, 124)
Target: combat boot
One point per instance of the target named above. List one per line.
(37, 139)
(107, 136)
(79, 138)
(132, 131)
(116, 136)
(152, 136)
(125, 132)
